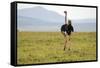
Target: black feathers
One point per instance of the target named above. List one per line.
(67, 28)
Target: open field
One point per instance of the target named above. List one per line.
(47, 47)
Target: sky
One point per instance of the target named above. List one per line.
(73, 12)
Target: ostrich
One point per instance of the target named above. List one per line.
(66, 29)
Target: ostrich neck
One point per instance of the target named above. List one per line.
(65, 18)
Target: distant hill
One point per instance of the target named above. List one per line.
(41, 19)
(41, 13)
(84, 25)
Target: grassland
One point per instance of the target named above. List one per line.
(47, 47)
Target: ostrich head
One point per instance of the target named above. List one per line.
(65, 12)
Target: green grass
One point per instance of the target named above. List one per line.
(47, 47)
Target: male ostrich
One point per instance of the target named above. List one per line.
(66, 29)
